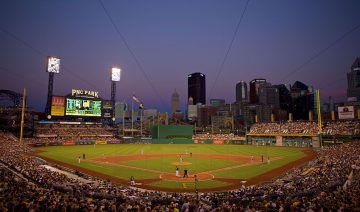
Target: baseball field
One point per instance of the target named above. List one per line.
(217, 167)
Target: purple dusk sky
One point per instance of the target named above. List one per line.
(282, 41)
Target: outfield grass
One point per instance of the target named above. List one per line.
(69, 155)
(287, 154)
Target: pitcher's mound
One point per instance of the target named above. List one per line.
(180, 178)
(181, 163)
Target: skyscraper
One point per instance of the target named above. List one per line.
(241, 91)
(353, 77)
(254, 89)
(217, 102)
(175, 100)
(302, 101)
(196, 88)
(269, 95)
(284, 97)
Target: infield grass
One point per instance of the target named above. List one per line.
(197, 164)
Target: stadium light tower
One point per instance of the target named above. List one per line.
(53, 67)
(115, 77)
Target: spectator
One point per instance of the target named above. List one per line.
(331, 182)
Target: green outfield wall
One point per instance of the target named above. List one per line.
(172, 141)
(172, 132)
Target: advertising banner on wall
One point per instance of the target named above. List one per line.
(107, 109)
(58, 106)
(346, 112)
(198, 141)
(218, 142)
(114, 142)
(55, 143)
(101, 142)
(69, 143)
(85, 142)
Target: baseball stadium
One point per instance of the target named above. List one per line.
(179, 106)
(274, 166)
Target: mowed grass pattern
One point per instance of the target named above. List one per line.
(69, 154)
(197, 164)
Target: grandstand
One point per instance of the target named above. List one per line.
(72, 133)
(302, 133)
(290, 134)
(330, 182)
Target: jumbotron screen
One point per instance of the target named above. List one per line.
(83, 107)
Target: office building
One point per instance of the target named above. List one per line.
(205, 112)
(192, 112)
(263, 113)
(269, 95)
(255, 84)
(241, 91)
(197, 88)
(150, 113)
(303, 101)
(175, 101)
(285, 100)
(353, 77)
(217, 102)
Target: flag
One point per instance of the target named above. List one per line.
(135, 99)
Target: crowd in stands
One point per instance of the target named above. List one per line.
(297, 127)
(73, 130)
(45, 140)
(61, 133)
(229, 136)
(329, 182)
(70, 141)
(341, 128)
(307, 128)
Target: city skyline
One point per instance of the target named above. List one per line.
(314, 42)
